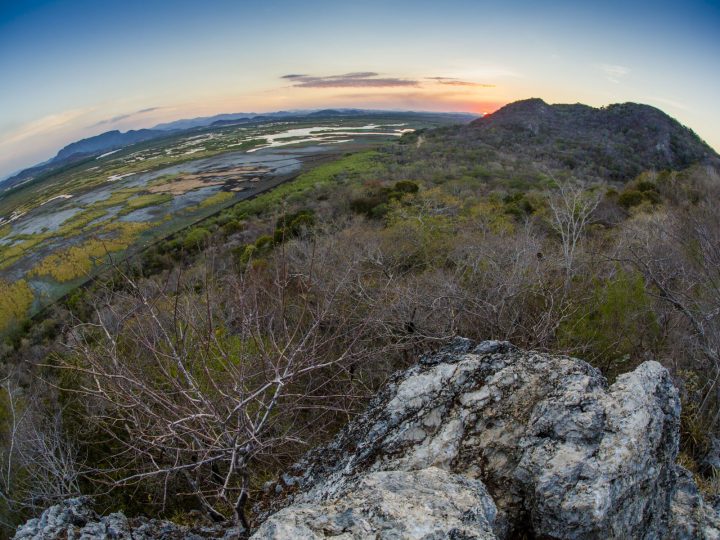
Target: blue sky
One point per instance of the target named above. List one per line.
(73, 69)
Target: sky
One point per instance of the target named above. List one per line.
(75, 68)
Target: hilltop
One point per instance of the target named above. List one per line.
(616, 142)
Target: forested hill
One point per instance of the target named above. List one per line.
(613, 143)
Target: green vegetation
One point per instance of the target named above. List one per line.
(351, 270)
(216, 199)
(639, 192)
(78, 261)
(15, 301)
(196, 238)
(156, 154)
(348, 168)
(375, 202)
(80, 220)
(118, 197)
(143, 201)
(70, 187)
(292, 225)
(617, 324)
(9, 254)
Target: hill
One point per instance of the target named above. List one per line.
(78, 151)
(615, 143)
(289, 312)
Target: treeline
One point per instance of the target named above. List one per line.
(189, 377)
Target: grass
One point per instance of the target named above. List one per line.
(217, 198)
(79, 261)
(74, 262)
(118, 197)
(153, 155)
(143, 201)
(10, 254)
(72, 226)
(81, 220)
(348, 167)
(90, 235)
(14, 303)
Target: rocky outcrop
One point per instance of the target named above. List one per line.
(561, 454)
(75, 519)
(429, 503)
(476, 442)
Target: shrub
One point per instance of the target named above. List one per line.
(405, 186)
(296, 219)
(246, 254)
(196, 238)
(630, 198)
(379, 211)
(617, 325)
(652, 196)
(375, 203)
(365, 205)
(518, 205)
(264, 241)
(645, 186)
(231, 227)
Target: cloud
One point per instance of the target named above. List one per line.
(43, 125)
(437, 100)
(371, 79)
(125, 116)
(613, 72)
(450, 81)
(360, 79)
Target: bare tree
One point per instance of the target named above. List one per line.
(40, 465)
(678, 252)
(9, 451)
(571, 208)
(199, 388)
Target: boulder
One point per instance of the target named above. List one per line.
(561, 453)
(424, 504)
(74, 519)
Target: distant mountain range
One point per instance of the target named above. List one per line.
(204, 121)
(109, 141)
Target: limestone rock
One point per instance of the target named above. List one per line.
(425, 504)
(74, 519)
(562, 454)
